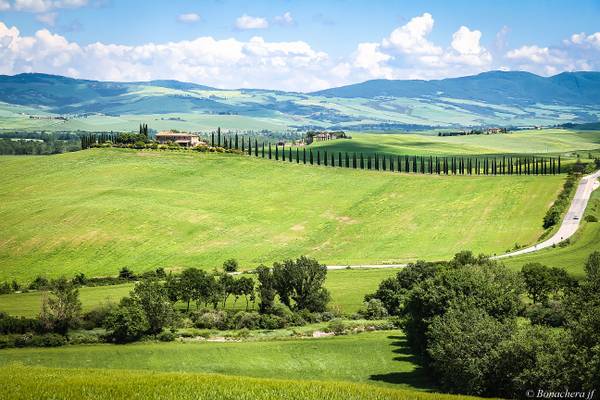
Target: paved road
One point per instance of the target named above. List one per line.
(568, 227)
(570, 223)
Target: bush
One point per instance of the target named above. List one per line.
(166, 336)
(337, 326)
(19, 325)
(127, 322)
(268, 321)
(591, 218)
(230, 265)
(216, 319)
(85, 338)
(39, 283)
(48, 340)
(374, 309)
(96, 317)
(552, 314)
(247, 320)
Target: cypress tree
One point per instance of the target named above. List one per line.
(383, 162)
(354, 161)
(304, 155)
(399, 164)
(290, 155)
(340, 159)
(362, 161)
(333, 159)
(311, 157)
(376, 161)
(391, 164)
(318, 157)
(270, 154)
(297, 155)
(236, 142)
(325, 158)
(219, 136)
(368, 161)
(347, 160)
(212, 139)
(276, 152)
(263, 149)
(243, 145)
(406, 164)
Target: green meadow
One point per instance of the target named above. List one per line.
(383, 356)
(29, 383)
(544, 141)
(572, 257)
(347, 288)
(96, 211)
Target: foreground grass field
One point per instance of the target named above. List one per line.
(381, 358)
(29, 383)
(572, 257)
(531, 142)
(96, 211)
(347, 288)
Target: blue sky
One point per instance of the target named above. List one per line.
(295, 45)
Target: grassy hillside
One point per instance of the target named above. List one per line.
(347, 288)
(384, 358)
(572, 257)
(531, 142)
(29, 383)
(96, 211)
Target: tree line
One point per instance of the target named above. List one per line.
(468, 323)
(441, 165)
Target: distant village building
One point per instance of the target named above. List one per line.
(184, 139)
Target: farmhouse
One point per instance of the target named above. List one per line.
(182, 138)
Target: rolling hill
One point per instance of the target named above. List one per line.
(491, 98)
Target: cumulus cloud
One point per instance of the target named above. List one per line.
(370, 58)
(412, 37)
(246, 22)
(4, 5)
(188, 18)
(228, 63)
(285, 20)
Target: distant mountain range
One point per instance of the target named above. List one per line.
(491, 98)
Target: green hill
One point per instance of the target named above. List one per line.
(96, 211)
(494, 98)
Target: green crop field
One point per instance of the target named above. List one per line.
(347, 288)
(29, 383)
(572, 257)
(533, 142)
(96, 211)
(381, 358)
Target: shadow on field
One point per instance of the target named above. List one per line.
(416, 378)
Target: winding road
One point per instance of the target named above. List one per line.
(568, 227)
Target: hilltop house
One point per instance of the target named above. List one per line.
(182, 138)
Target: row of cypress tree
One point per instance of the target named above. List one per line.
(448, 165)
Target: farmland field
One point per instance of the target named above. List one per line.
(96, 211)
(347, 288)
(523, 142)
(29, 383)
(384, 358)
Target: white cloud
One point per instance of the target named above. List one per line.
(4, 5)
(47, 18)
(188, 18)
(40, 6)
(285, 20)
(412, 37)
(246, 22)
(369, 58)
(228, 63)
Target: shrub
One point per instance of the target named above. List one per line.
(230, 265)
(216, 319)
(48, 340)
(268, 321)
(337, 326)
(166, 336)
(591, 218)
(127, 322)
(9, 324)
(552, 314)
(247, 320)
(96, 317)
(374, 309)
(39, 283)
(85, 338)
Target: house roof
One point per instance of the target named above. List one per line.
(169, 133)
